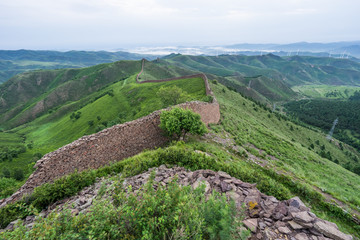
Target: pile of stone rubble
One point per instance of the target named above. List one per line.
(265, 216)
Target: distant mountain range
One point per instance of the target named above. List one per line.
(336, 49)
(13, 62)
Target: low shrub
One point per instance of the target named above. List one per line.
(171, 212)
(268, 181)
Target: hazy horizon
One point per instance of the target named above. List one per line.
(122, 24)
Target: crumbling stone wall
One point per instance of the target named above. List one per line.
(200, 75)
(112, 144)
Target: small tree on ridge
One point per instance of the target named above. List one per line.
(178, 122)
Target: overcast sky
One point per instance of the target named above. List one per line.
(115, 24)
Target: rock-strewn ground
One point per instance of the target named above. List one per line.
(266, 217)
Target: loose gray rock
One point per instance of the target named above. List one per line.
(295, 226)
(265, 216)
(330, 231)
(301, 236)
(251, 224)
(303, 217)
(284, 230)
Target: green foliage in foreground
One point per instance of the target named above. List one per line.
(180, 121)
(7, 185)
(171, 212)
(268, 182)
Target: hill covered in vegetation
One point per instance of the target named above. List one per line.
(13, 62)
(113, 97)
(255, 145)
(252, 142)
(323, 113)
(270, 77)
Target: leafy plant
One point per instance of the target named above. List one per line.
(180, 121)
(18, 174)
(171, 212)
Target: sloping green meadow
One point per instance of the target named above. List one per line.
(120, 102)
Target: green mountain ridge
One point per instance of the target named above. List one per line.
(14, 62)
(292, 71)
(39, 91)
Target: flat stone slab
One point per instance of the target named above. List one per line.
(303, 217)
(295, 226)
(301, 236)
(330, 231)
(251, 224)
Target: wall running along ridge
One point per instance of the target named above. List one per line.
(199, 75)
(110, 145)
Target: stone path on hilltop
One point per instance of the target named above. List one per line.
(266, 217)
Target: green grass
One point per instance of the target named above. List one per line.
(250, 123)
(130, 101)
(277, 73)
(268, 181)
(324, 91)
(236, 72)
(291, 168)
(10, 139)
(285, 145)
(53, 88)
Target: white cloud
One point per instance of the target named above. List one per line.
(86, 23)
(302, 11)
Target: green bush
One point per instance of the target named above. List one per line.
(180, 121)
(91, 123)
(171, 212)
(208, 99)
(18, 174)
(6, 173)
(61, 188)
(75, 115)
(7, 186)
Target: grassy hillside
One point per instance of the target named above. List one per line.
(118, 102)
(272, 75)
(326, 91)
(249, 78)
(129, 101)
(322, 113)
(273, 142)
(252, 142)
(29, 95)
(257, 146)
(260, 131)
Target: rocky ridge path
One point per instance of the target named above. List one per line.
(265, 216)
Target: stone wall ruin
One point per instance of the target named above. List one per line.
(110, 145)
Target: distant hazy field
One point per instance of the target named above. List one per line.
(326, 91)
